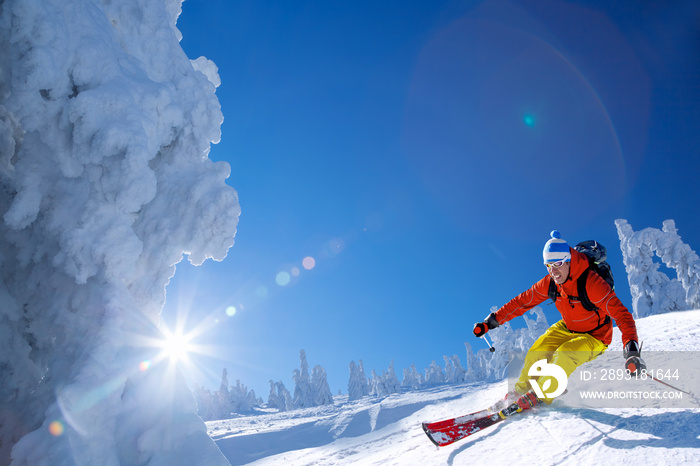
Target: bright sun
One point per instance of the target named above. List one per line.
(176, 346)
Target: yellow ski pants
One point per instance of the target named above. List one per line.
(562, 347)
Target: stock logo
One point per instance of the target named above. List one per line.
(543, 368)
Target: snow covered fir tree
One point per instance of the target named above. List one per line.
(105, 131)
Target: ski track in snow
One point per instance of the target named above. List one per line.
(387, 431)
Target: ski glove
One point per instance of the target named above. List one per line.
(490, 323)
(633, 361)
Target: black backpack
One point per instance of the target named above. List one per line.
(596, 254)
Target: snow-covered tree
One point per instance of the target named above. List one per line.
(279, 397)
(454, 372)
(386, 383)
(319, 387)
(241, 400)
(221, 399)
(357, 384)
(204, 402)
(412, 379)
(376, 385)
(226, 400)
(105, 185)
(223, 387)
(434, 374)
(653, 292)
(303, 397)
(211, 406)
(284, 395)
(475, 369)
(273, 400)
(390, 380)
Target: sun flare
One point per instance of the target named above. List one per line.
(176, 346)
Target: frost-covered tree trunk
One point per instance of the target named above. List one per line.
(105, 182)
(653, 292)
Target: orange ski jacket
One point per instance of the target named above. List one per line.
(575, 316)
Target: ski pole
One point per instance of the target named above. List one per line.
(671, 386)
(491, 348)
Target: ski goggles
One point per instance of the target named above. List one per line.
(554, 265)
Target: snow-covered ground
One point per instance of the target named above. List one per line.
(386, 431)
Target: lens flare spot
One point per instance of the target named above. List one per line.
(261, 292)
(295, 271)
(334, 247)
(308, 263)
(283, 278)
(56, 428)
(144, 366)
(231, 311)
(529, 120)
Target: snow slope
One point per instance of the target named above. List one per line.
(387, 430)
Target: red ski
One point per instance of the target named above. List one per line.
(445, 432)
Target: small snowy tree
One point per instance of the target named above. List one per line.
(273, 400)
(434, 374)
(280, 397)
(357, 384)
(222, 399)
(319, 387)
(391, 382)
(385, 384)
(454, 372)
(412, 379)
(475, 370)
(203, 399)
(284, 395)
(241, 400)
(303, 393)
(223, 387)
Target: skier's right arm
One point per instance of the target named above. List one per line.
(515, 307)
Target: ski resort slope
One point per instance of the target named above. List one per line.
(388, 431)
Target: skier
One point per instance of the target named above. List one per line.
(581, 335)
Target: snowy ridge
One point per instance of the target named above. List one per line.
(387, 430)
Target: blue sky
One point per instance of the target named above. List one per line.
(420, 152)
